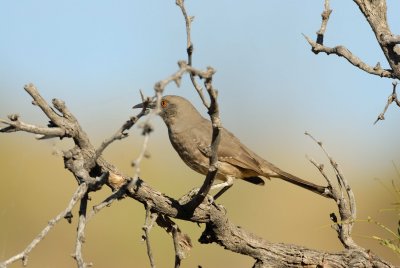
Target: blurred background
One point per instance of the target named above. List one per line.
(96, 55)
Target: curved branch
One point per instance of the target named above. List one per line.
(342, 51)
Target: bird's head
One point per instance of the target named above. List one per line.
(174, 108)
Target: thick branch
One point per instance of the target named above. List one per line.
(223, 232)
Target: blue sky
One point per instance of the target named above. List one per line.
(96, 55)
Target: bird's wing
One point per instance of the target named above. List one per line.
(230, 149)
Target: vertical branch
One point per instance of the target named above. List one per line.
(80, 234)
(147, 129)
(182, 242)
(213, 111)
(392, 98)
(189, 50)
(148, 224)
(344, 198)
(325, 17)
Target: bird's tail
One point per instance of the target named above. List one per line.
(321, 190)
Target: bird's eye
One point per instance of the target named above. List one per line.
(163, 103)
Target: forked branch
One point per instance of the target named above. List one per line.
(343, 196)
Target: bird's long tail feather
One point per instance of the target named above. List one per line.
(321, 190)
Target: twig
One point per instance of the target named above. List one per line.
(148, 224)
(120, 133)
(143, 152)
(189, 50)
(16, 125)
(213, 111)
(108, 201)
(392, 98)
(80, 234)
(77, 196)
(182, 242)
(343, 196)
(325, 17)
(40, 101)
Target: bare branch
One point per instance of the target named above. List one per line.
(39, 101)
(344, 198)
(143, 153)
(17, 125)
(80, 234)
(219, 228)
(392, 98)
(121, 132)
(189, 50)
(107, 202)
(213, 111)
(325, 17)
(342, 51)
(182, 242)
(389, 39)
(77, 196)
(151, 217)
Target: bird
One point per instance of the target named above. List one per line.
(190, 135)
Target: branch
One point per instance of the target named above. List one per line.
(325, 17)
(389, 39)
(77, 196)
(392, 98)
(219, 228)
(344, 198)
(189, 50)
(16, 125)
(148, 224)
(182, 242)
(80, 234)
(121, 132)
(342, 51)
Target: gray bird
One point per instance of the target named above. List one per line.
(190, 135)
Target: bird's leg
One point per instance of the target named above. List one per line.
(225, 186)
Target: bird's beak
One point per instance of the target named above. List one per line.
(147, 104)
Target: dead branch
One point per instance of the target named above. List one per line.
(23, 256)
(182, 242)
(392, 98)
(92, 171)
(342, 51)
(148, 224)
(343, 196)
(80, 234)
(375, 14)
(325, 17)
(219, 228)
(189, 50)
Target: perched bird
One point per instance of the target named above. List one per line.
(190, 135)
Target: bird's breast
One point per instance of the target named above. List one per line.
(186, 145)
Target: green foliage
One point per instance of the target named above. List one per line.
(393, 243)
